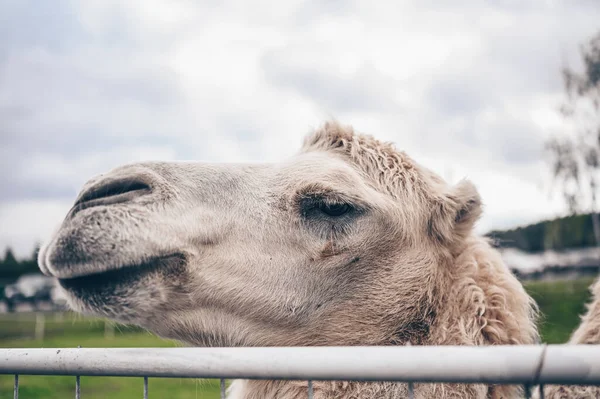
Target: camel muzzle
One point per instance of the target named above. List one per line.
(110, 225)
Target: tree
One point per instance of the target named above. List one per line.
(575, 157)
(9, 259)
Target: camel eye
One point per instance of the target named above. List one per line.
(327, 206)
(335, 209)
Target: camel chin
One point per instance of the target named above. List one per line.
(122, 294)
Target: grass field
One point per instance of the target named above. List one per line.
(74, 330)
(560, 303)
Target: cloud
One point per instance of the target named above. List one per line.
(60, 28)
(467, 88)
(363, 90)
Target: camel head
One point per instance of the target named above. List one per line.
(348, 242)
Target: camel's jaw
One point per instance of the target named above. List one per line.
(130, 294)
(106, 281)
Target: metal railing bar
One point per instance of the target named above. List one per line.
(16, 390)
(310, 389)
(223, 396)
(145, 387)
(562, 364)
(411, 390)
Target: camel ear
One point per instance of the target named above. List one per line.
(455, 213)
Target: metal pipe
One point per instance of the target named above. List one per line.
(562, 364)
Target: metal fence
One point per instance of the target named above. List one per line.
(526, 365)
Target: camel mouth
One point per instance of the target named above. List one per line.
(99, 282)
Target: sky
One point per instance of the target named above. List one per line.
(467, 88)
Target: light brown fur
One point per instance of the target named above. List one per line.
(246, 260)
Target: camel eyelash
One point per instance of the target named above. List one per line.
(330, 205)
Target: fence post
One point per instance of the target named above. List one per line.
(109, 330)
(78, 383)
(40, 325)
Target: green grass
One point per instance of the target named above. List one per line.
(89, 333)
(561, 303)
(22, 325)
(39, 387)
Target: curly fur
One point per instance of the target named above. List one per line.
(472, 299)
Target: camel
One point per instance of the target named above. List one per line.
(349, 242)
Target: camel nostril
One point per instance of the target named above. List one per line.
(112, 192)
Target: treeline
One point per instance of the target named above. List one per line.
(575, 231)
(11, 268)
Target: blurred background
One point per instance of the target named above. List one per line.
(504, 92)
